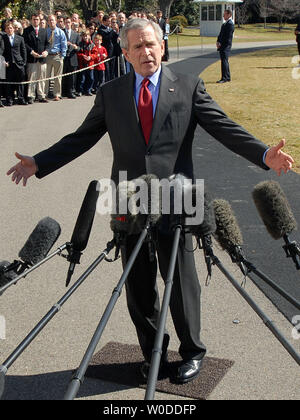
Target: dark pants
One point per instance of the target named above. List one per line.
(98, 78)
(298, 43)
(87, 80)
(143, 299)
(224, 55)
(68, 82)
(14, 74)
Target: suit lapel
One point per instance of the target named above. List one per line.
(167, 94)
(130, 110)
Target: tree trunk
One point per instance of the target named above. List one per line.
(88, 7)
(47, 6)
(165, 6)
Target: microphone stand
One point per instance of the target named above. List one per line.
(267, 321)
(158, 343)
(238, 257)
(53, 311)
(29, 270)
(78, 376)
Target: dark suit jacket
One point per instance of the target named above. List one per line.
(71, 51)
(107, 35)
(226, 35)
(162, 24)
(298, 36)
(35, 43)
(16, 54)
(183, 103)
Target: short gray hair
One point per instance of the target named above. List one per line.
(136, 24)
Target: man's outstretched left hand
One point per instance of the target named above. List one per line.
(277, 160)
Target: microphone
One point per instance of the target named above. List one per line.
(208, 226)
(228, 233)
(123, 221)
(277, 215)
(36, 248)
(82, 227)
(41, 240)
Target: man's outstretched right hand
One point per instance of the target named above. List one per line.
(23, 170)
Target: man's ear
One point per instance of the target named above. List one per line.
(125, 53)
(163, 48)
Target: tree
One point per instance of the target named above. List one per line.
(284, 10)
(165, 6)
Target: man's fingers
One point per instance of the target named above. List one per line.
(280, 145)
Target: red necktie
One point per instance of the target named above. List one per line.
(145, 109)
(37, 31)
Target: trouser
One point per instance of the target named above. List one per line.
(224, 55)
(68, 82)
(98, 78)
(143, 299)
(14, 74)
(36, 71)
(55, 63)
(298, 44)
(87, 80)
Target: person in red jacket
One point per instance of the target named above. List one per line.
(86, 56)
(99, 71)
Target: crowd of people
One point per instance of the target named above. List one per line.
(62, 56)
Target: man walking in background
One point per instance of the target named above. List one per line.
(224, 43)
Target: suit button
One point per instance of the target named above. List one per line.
(148, 153)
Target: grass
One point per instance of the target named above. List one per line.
(247, 33)
(263, 96)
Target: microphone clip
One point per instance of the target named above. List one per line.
(292, 250)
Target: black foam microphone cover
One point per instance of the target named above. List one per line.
(274, 209)
(41, 240)
(208, 226)
(228, 233)
(152, 206)
(85, 219)
(123, 221)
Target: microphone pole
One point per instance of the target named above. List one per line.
(267, 321)
(158, 343)
(34, 267)
(78, 376)
(53, 311)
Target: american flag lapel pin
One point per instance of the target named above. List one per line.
(171, 90)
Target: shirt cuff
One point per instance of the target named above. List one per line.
(264, 156)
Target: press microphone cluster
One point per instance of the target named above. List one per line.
(277, 216)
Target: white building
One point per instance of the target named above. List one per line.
(211, 15)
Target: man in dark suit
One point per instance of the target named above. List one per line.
(37, 44)
(15, 56)
(71, 60)
(107, 34)
(2, 70)
(177, 103)
(297, 33)
(224, 44)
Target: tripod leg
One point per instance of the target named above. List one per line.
(78, 377)
(157, 350)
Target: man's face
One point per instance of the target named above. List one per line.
(52, 22)
(10, 30)
(144, 51)
(61, 23)
(35, 21)
(226, 16)
(68, 23)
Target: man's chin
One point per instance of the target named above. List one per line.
(148, 69)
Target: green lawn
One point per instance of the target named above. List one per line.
(247, 33)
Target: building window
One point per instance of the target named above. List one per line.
(218, 12)
(204, 10)
(211, 13)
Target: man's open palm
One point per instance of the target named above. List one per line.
(23, 170)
